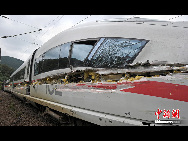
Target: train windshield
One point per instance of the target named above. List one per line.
(114, 52)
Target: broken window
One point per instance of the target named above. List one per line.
(115, 52)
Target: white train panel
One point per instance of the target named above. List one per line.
(111, 73)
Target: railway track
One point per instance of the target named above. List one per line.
(15, 112)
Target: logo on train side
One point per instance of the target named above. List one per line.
(51, 92)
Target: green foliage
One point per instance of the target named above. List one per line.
(7, 66)
(5, 72)
(11, 62)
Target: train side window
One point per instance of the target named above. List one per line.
(116, 52)
(64, 54)
(80, 51)
(38, 65)
(20, 75)
(51, 59)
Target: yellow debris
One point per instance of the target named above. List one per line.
(138, 77)
(131, 79)
(175, 71)
(35, 83)
(94, 81)
(94, 76)
(64, 80)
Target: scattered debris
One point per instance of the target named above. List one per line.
(112, 75)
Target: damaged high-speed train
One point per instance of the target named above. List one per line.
(110, 72)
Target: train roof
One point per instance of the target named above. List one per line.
(167, 40)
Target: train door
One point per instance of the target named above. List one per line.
(27, 84)
(30, 67)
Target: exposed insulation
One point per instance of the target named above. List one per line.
(95, 76)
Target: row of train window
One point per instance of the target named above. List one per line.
(97, 53)
(19, 75)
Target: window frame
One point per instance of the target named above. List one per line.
(42, 56)
(97, 43)
(82, 41)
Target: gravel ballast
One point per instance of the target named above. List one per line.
(15, 112)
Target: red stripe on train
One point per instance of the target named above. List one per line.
(160, 89)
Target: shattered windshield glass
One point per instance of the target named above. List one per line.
(115, 52)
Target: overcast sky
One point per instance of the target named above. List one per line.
(23, 45)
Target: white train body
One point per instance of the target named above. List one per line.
(111, 73)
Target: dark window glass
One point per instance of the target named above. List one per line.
(19, 75)
(64, 54)
(41, 63)
(11, 79)
(51, 59)
(80, 51)
(28, 68)
(37, 65)
(115, 52)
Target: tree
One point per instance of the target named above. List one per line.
(5, 72)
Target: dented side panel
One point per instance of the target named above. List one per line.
(117, 98)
